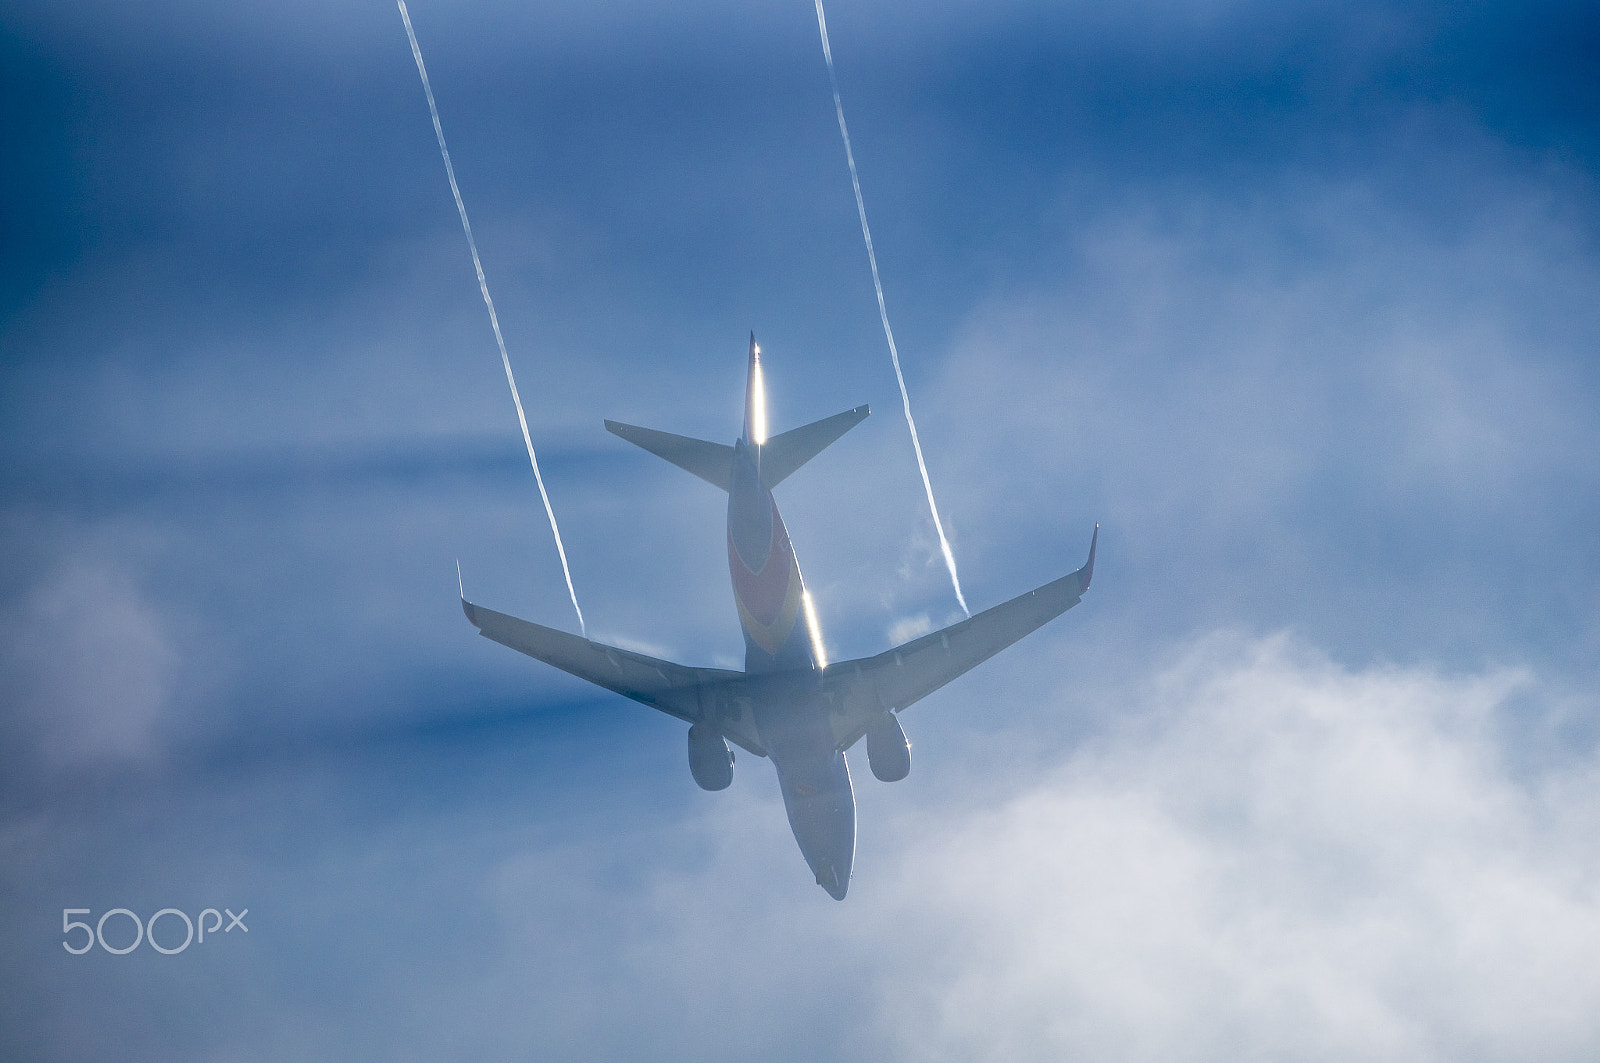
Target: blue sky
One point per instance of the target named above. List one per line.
(1296, 300)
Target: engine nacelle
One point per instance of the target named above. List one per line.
(710, 759)
(887, 749)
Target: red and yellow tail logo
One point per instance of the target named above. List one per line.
(768, 600)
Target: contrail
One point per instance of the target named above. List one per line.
(883, 314)
(483, 286)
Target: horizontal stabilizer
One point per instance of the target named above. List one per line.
(783, 454)
(712, 462)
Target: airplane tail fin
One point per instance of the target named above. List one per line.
(755, 398)
(777, 457)
(781, 455)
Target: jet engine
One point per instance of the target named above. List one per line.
(710, 759)
(887, 749)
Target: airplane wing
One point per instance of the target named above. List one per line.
(690, 694)
(861, 690)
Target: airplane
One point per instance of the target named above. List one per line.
(789, 704)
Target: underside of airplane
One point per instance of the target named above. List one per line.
(789, 704)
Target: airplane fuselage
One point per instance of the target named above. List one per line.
(782, 643)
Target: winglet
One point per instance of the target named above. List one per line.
(466, 606)
(1086, 573)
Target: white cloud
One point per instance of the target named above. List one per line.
(909, 627)
(88, 665)
(1279, 859)
(1270, 856)
(1191, 356)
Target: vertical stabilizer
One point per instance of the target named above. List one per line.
(755, 399)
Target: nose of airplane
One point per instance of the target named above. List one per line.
(825, 827)
(822, 813)
(838, 847)
(829, 879)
